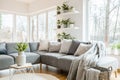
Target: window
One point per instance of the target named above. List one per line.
(42, 33)
(104, 20)
(51, 25)
(33, 28)
(6, 27)
(21, 29)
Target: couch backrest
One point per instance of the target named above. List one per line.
(34, 46)
(11, 48)
(3, 49)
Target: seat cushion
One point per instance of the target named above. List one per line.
(11, 48)
(30, 57)
(51, 58)
(108, 61)
(64, 62)
(6, 61)
(34, 46)
(41, 52)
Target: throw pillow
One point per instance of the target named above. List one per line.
(43, 46)
(65, 46)
(73, 47)
(82, 49)
(54, 46)
(3, 48)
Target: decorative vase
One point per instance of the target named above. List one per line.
(21, 59)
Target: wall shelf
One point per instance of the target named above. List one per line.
(67, 28)
(68, 13)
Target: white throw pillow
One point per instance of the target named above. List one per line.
(43, 45)
(65, 46)
(54, 46)
(82, 49)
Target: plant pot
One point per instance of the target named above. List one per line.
(65, 11)
(21, 59)
(59, 40)
(58, 12)
(71, 25)
(59, 26)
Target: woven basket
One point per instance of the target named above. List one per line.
(105, 73)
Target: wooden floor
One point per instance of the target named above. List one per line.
(62, 75)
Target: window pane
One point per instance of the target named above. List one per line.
(6, 25)
(21, 28)
(42, 26)
(33, 28)
(104, 20)
(51, 25)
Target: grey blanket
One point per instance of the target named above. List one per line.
(85, 61)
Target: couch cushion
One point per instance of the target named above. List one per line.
(41, 52)
(51, 58)
(3, 49)
(64, 62)
(54, 46)
(34, 46)
(82, 49)
(30, 57)
(65, 46)
(11, 48)
(73, 47)
(6, 61)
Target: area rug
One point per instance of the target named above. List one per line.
(29, 76)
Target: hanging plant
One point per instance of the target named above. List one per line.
(58, 24)
(58, 9)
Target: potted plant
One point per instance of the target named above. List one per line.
(21, 58)
(116, 48)
(58, 24)
(71, 24)
(67, 23)
(66, 7)
(64, 36)
(58, 10)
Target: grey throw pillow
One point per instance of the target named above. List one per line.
(73, 47)
(3, 48)
(54, 46)
(82, 49)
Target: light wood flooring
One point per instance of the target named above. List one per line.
(62, 75)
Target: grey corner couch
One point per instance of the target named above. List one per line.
(55, 59)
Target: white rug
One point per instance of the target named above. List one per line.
(29, 76)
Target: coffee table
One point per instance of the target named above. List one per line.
(27, 68)
(30, 76)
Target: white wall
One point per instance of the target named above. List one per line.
(78, 4)
(13, 6)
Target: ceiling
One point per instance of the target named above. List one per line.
(26, 1)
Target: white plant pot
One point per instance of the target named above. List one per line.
(21, 59)
(71, 25)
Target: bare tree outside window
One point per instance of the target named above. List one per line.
(104, 20)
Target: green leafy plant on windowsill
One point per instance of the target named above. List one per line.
(116, 46)
(64, 36)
